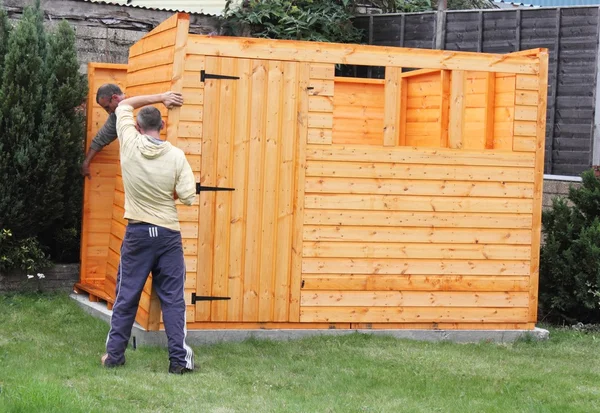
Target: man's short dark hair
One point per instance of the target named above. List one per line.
(107, 90)
(149, 118)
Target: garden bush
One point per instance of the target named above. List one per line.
(570, 256)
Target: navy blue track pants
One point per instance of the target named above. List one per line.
(147, 248)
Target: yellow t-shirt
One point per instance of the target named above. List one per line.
(152, 172)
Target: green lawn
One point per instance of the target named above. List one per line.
(50, 351)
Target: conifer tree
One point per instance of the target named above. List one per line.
(62, 127)
(4, 33)
(20, 98)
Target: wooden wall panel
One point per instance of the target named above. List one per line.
(99, 190)
(378, 246)
(358, 111)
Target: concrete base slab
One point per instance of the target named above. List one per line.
(140, 337)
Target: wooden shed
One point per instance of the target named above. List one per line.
(412, 201)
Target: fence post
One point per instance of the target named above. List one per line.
(596, 126)
(440, 29)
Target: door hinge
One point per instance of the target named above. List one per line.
(196, 298)
(201, 188)
(204, 76)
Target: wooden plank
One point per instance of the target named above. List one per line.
(538, 188)
(417, 203)
(528, 82)
(388, 170)
(239, 215)
(271, 184)
(226, 107)
(524, 144)
(153, 42)
(150, 76)
(334, 249)
(381, 282)
(403, 93)
(438, 156)
(183, 26)
(320, 103)
(526, 113)
(299, 196)
(412, 314)
(393, 103)
(208, 177)
(152, 59)
(401, 266)
(320, 136)
(320, 120)
(525, 128)
(490, 108)
(316, 52)
(322, 71)
(444, 116)
(341, 80)
(418, 187)
(417, 219)
(318, 87)
(285, 196)
(255, 179)
(526, 97)
(191, 129)
(419, 235)
(413, 299)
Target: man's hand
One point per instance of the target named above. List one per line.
(85, 170)
(172, 99)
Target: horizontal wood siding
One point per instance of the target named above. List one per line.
(383, 241)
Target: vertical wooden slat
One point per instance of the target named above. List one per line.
(226, 108)
(538, 187)
(457, 106)
(402, 29)
(554, 80)
(299, 176)
(269, 245)
(239, 215)
(285, 217)
(480, 31)
(444, 107)
(255, 189)
(518, 32)
(391, 109)
(403, 98)
(595, 127)
(183, 26)
(490, 108)
(206, 232)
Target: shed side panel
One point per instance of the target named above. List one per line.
(99, 191)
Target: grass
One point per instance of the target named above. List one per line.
(50, 351)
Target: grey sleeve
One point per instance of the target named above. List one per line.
(106, 135)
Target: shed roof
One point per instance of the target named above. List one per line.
(210, 7)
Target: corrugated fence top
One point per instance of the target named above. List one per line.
(210, 7)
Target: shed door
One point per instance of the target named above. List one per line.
(245, 236)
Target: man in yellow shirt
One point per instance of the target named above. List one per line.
(154, 174)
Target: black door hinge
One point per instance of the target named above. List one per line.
(201, 188)
(204, 76)
(196, 298)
